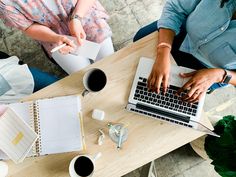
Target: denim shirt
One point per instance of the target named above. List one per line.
(211, 34)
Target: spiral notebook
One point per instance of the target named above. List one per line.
(57, 122)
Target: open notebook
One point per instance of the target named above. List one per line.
(57, 122)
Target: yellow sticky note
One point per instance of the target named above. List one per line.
(18, 138)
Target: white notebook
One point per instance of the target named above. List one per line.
(57, 123)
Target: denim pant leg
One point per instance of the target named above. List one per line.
(41, 79)
(181, 58)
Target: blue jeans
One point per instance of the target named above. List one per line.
(41, 79)
(178, 55)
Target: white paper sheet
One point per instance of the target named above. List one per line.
(88, 49)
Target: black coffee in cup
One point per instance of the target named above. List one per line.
(83, 166)
(96, 80)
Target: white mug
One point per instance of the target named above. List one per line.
(3, 169)
(83, 165)
(94, 80)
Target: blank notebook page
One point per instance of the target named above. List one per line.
(60, 125)
(23, 110)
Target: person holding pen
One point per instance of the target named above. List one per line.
(199, 35)
(51, 21)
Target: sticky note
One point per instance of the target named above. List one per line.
(18, 138)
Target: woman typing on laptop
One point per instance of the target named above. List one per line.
(199, 35)
(49, 21)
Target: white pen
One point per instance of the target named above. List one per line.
(58, 47)
(120, 138)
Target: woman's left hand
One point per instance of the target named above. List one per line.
(199, 83)
(76, 30)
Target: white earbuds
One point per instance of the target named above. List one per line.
(98, 114)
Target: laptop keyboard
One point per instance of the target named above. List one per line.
(169, 100)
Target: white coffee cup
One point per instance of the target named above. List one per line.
(3, 169)
(83, 165)
(94, 80)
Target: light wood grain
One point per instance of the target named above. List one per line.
(148, 139)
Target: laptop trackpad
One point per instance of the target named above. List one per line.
(175, 79)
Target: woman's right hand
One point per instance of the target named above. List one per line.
(159, 76)
(70, 45)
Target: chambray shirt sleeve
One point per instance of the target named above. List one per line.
(175, 12)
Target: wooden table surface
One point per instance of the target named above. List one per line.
(148, 139)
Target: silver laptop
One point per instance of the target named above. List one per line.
(168, 107)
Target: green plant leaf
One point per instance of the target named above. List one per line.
(223, 150)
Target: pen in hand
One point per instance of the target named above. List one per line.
(58, 47)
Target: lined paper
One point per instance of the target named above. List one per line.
(16, 137)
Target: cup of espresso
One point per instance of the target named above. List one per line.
(83, 165)
(94, 80)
